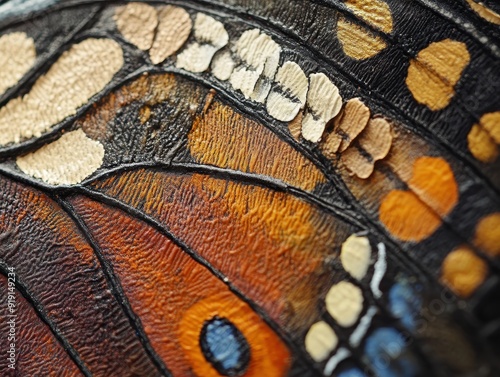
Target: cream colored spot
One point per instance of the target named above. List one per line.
(210, 36)
(433, 74)
(137, 22)
(289, 93)
(355, 256)
(66, 161)
(485, 12)
(320, 341)
(484, 138)
(17, 56)
(344, 302)
(174, 27)
(259, 56)
(375, 141)
(81, 72)
(223, 65)
(358, 42)
(323, 103)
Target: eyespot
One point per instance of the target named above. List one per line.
(225, 347)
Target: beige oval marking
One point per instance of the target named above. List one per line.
(355, 256)
(320, 341)
(66, 161)
(484, 138)
(323, 104)
(174, 27)
(17, 56)
(137, 22)
(210, 36)
(344, 302)
(357, 41)
(223, 65)
(485, 12)
(435, 71)
(81, 72)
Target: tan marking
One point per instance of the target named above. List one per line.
(223, 65)
(17, 56)
(488, 14)
(487, 236)
(355, 256)
(320, 341)
(81, 72)
(344, 302)
(352, 122)
(137, 22)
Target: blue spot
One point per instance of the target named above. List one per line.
(22, 7)
(225, 347)
(388, 355)
(404, 304)
(354, 372)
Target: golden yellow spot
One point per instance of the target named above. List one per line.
(484, 138)
(224, 138)
(357, 41)
(137, 22)
(488, 234)
(463, 271)
(415, 215)
(433, 74)
(484, 12)
(17, 56)
(81, 72)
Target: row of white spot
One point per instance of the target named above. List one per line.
(251, 65)
(344, 303)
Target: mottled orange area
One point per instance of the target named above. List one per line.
(267, 352)
(36, 346)
(263, 240)
(225, 138)
(484, 138)
(433, 74)
(165, 286)
(357, 41)
(415, 215)
(488, 234)
(463, 271)
(407, 217)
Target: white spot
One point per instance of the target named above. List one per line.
(332, 363)
(320, 341)
(81, 72)
(344, 302)
(288, 96)
(355, 256)
(364, 324)
(223, 65)
(380, 269)
(66, 161)
(210, 36)
(323, 104)
(260, 57)
(17, 56)
(174, 27)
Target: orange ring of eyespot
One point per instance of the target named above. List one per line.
(267, 351)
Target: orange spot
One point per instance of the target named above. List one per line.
(407, 217)
(484, 138)
(488, 234)
(463, 271)
(413, 216)
(268, 353)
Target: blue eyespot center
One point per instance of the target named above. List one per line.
(225, 347)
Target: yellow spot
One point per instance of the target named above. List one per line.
(484, 138)
(68, 160)
(81, 72)
(486, 13)
(344, 302)
(433, 74)
(488, 234)
(355, 256)
(463, 271)
(137, 22)
(358, 42)
(17, 56)
(320, 341)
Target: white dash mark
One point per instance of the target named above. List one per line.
(380, 269)
(332, 363)
(360, 331)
